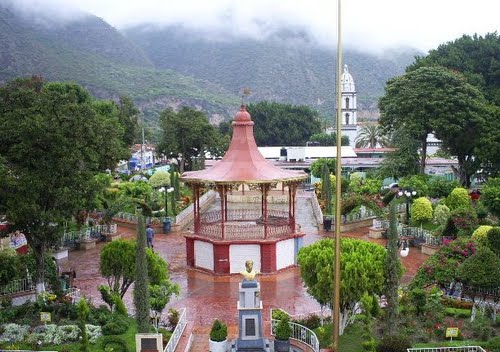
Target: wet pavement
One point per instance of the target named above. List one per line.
(208, 297)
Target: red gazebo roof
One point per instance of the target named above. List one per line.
(243, 163)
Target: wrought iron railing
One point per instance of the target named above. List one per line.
(447, 349)
(134, 218)
(182, 217)
(18, 286)
(418, 233)
(179, 329)
(70, 238)
(299, 333)
(244, 231)
(242, 215)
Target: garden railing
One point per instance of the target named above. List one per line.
(179, 329)
(299, 332)
(448, 349)
(18, 286)
(71, 238)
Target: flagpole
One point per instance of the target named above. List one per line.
(338, 189)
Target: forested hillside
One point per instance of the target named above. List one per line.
(174, 67)
(286, 67)
(94, 54)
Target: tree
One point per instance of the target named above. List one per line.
(127, 116)
(482, 270)
(141, 288)
(371, 135)
(393, 272)
(404, 160)
(279, 124)
(83, 311)
(53, 138)
(328, 139)
(117, 265)
(317, 166)
(490, 195)
(436, 100)
(326, 189)
(362, 268)
(186, 134)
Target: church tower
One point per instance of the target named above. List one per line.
(349, 107)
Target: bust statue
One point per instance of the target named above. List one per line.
(249, 273)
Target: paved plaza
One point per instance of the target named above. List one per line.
(208, 297)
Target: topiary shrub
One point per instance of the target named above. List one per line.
(493, 240)
(493, 345)
(396, 343)
(439, 187)
(479, 235)
(116, 326)
(441, 214)
(283, 329)
(458, 198)
(218, 333)
(421, 210)
(388, 197)
(490, 194)
(114, 343)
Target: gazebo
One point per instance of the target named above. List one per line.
(223, 239)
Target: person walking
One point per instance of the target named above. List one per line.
(150, 234)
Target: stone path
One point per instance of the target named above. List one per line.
(208, 297)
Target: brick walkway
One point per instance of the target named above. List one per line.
(208, 297)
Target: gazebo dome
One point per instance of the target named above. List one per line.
(243, 163)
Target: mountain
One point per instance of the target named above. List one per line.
(91, 52)
(287, 66)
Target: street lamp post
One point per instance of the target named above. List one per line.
(408, 194)
(167, 191)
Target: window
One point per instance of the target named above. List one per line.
(347, 103)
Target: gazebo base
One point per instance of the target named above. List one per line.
(228, 257)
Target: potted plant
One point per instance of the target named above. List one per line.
(282, 335)
(218, 337)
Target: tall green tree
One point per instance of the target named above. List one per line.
(328, 139)
(279, 124)
(361, 265)
(436, 100)
(404, 160)
(141, 287)
(53, 139)
(317, 166)
(326, 189)
(128, 117)
(186, 135)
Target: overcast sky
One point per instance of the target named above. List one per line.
(368, 24)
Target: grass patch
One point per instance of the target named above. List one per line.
(458, 312)
(451, 344)
(350, 341)
(427, 225)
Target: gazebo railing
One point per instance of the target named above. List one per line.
(242, 215)
(243, 231)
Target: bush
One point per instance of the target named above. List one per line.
(441, 214)
(462, 222)
(455, 303)
(458, 198)
(479, 235)
(439, 187)
(100, 316)
(283, 329)
(218, 332)
(388, 197)
(173, 317)
(114, 343)
(421, 210)
(493, 237)
(494, 344)
(396, 343)
(490, 194)
(119, 305)
(166, 335)
(116, 326)
(312, 321)
(279, 314)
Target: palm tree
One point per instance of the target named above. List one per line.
(370, 135)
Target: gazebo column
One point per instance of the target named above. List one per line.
(221, 189)
(292, 195)
(195, 188)
(265, 191)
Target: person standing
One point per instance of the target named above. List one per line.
(150, 234)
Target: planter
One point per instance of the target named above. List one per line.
(60, 254)
(110, 237)
(281, 345)
(87, 244)
(429, 249)
(218, 346)
(375, 232)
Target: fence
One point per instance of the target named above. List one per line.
(299, 332)
(448, 349)
(185, 216)
(179, 329)
(18, 286)
(418, 233)
(71, 238)
(134, 218)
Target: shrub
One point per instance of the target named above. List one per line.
(312, 321)
(283, 329)
(439, 187)
(441, 214)
(458, 198)
(100, 316)
(114, 343)
(480, 234)
(14, 333)
(116, 326)
(173, 317)
(419, 300)
(494, 344)
(421, 210)
(280, 314)
(119, 305)
(415, 182)
(388, 197)
(218, 332)
(493, 237)
(166, 335)
(490, 194)
(462, 222)
(396, 343)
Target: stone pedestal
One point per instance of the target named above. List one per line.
(429, 249)
(250, 335)
(87, 244)
(374, 232)
(110, 237)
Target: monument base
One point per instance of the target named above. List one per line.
(260, 345)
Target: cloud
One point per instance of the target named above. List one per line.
(366, 24)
